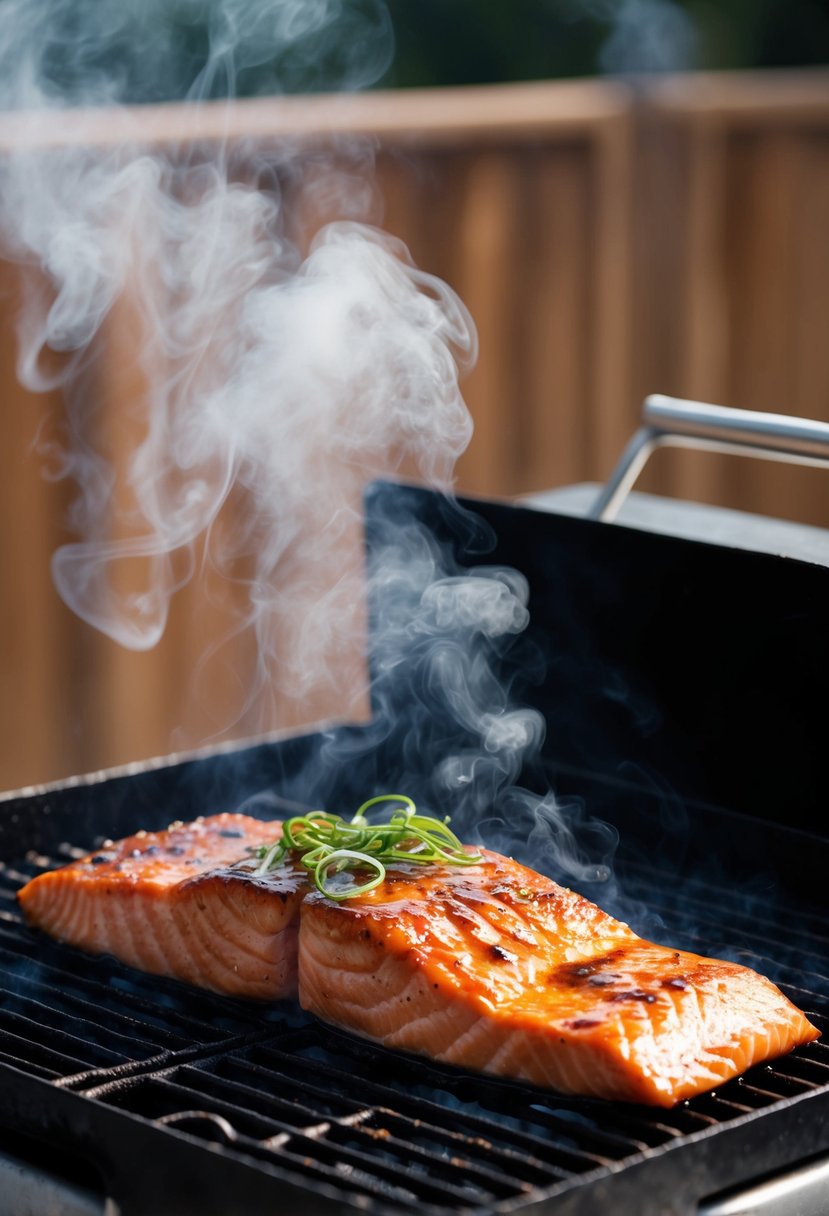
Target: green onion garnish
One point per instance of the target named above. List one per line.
(327, 844)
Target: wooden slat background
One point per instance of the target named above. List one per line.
(608, 243)
(731, 249)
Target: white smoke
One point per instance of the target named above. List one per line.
(293, 378)
(280, 375)
(645, 36)
(649, 35)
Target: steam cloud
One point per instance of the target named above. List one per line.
(288, 376)
(645, 35)
(255, 358)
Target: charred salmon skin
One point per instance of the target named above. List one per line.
(184, 902)
(496, 968)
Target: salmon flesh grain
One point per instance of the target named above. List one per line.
(490, 967)
(497, 969)
(184, 902)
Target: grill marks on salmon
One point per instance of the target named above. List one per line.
(182, 903)
(497, 969)
(490, 967)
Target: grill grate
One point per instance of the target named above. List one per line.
(272, 1087)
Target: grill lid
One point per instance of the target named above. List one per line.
(654, 660)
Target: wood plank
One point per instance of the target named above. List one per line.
(423, 117)
(760, 99)
(487, 233)
(613, 404)
(39, 676)
(552, 368)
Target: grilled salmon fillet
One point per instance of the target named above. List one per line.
(491, 967)
(184, 902)
(495, 968)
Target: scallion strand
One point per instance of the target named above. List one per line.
(326, 844)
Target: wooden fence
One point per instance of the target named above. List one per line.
(609, 242)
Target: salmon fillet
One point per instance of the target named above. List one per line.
(183, 902)
(491, 967)
(495, 968)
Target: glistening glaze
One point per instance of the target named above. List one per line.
(497, 968)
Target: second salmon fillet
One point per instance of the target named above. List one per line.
(497, 969)
(184, 902)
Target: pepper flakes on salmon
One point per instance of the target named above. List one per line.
(497, 969)
(184, 903)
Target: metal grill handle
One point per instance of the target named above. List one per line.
(669, 421)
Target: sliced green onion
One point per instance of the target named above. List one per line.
(344, 859)
(326, 844)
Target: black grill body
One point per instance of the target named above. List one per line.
(677, 684)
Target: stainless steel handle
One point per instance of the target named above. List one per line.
(716, 428)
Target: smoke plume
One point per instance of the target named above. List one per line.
(276, 371)
(289, 373)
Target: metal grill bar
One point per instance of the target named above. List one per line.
(373, 1141)
(418, 1088)
(24, 1052)
(752, 928)
(362, 1140)
(809, 921)
(418, 1119)
(243, 1080)
(456, 1099)
(25, 993)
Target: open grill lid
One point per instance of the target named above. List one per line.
(693, 672)
(184, 1101)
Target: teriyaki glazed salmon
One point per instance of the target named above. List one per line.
(184, 903)
(498, 969)
(402, 935)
